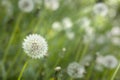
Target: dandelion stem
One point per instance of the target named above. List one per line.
(90, 71)
(84, 50)
(77, 58)
(114, 74)
(78, 50)
(21, 73)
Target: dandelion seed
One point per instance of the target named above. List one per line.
(58, 68)
(62, 54)
(75, 70)
(35, 46)
(26, 5)
(100, 9)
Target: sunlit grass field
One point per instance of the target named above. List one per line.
(83, 38)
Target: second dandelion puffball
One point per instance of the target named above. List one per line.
(35, 46)
(26, 5)
(75, 70)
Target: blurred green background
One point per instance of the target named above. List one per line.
(73, 30)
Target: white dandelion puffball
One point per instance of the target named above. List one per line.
(115, 31)
(75, 70)
(52, 4)
(56, 26)
(101, 39)
(26, 5)
(35, 46)
(67, 23)
(115, 41)
(8, 7)
(70, 35)
(100, 60)
(86, 60)
(84, 22)
(110, 62)
(100, 9)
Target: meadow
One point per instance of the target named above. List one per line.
(59, 39)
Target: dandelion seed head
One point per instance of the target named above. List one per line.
(26, 5)
(115, 41)
(52, 4)
(8, 7)
(100, 9)
(70, 35)
(57, 26)
(67, 23)
(75, 70)
(110, 62)
(86, 60)
(35, 46)
(115, 31)
(84, 22)
(100, 60)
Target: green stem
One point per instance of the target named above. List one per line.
(23, 69)
(78, 50)
(90, 71)
(83, 52)
(114, 74)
